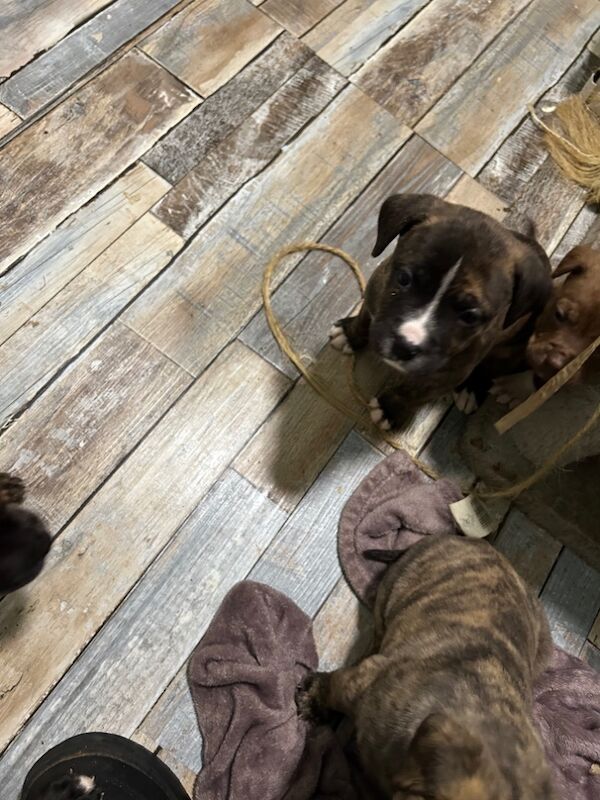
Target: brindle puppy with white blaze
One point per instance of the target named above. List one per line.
(443, 709)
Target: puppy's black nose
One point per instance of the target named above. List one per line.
(404, 350)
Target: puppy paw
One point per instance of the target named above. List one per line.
(309, 699)
(74, 787)
(339, 340)
(465, 401)
(512, 390)
(377, 415)
(12, 489)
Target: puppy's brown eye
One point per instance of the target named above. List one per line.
(470, 316)
(404, 279)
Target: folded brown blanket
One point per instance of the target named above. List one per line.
(244, 672)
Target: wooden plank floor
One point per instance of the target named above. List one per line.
(153, 155)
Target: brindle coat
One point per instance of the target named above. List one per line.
(443, 709)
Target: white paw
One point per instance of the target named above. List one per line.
(465, 401)
(86, 784)
(511, 390)
(337, 339)
(377, 416)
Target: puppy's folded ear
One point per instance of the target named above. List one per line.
(574, 263)
(401, 212)
(532, 287)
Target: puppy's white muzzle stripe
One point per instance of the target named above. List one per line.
(416, 329)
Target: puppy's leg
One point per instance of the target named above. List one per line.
(12, 489)
(337, 691)
(74, 787)
(391, 409)
(351, 333)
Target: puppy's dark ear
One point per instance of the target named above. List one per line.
(574, 263)
(401, 212)
(532, 287)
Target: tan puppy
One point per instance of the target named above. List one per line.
(569, 323)
(443, 709)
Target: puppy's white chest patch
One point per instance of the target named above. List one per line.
(416, 329)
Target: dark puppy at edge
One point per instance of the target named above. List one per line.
(459, 295)
(24, 541)
(443, 709)
(72, 787)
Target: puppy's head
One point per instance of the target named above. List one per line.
(456, 280)
(571, 320)
(24, 541)
(446, 761)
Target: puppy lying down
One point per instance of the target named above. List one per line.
(443, 708)
(458, 286)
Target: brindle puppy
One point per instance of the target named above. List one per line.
(443, 709)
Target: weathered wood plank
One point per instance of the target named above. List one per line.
(62, 328)
(356, 29)
(210, 41)
(8, 120)
(530, 549)
(88, 46)
(298, 16)
(56, 260)
(70, 440)
(414, 69)
(127, 523)
(343, 629)
(584, 228)
(213, 289)
(490, 98)
(571, 598)
(150, 636)
(594, 634)
(469, 192)
(108, 124)
(252, 146)
(302, 560)
(189, 142)
(523, 174)
(321, 289)
(29, 28)
(442, 452)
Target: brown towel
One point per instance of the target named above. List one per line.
(244, 672)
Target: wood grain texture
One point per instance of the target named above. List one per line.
(30, 27)
(490, 98)
(356, 29)
(302, 560)
(571, 598)
(69, 441)
(321, 288)
(127, 523)
(298, 16)
(209, 294)
(61, 328)
(108, 124)
(467, 191)
(8, 120)
(414, 69)
(189, 142)
(442, 452)
(594, 634)
(585, 228)
(68, 250)
(523, 174)
(150, 636)
(591, 655)
(343, 629)
(208, 42)
(55, 71)
(250, 148)
(530, 549)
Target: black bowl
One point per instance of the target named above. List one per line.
(123, 770)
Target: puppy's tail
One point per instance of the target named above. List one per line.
(384, 556)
